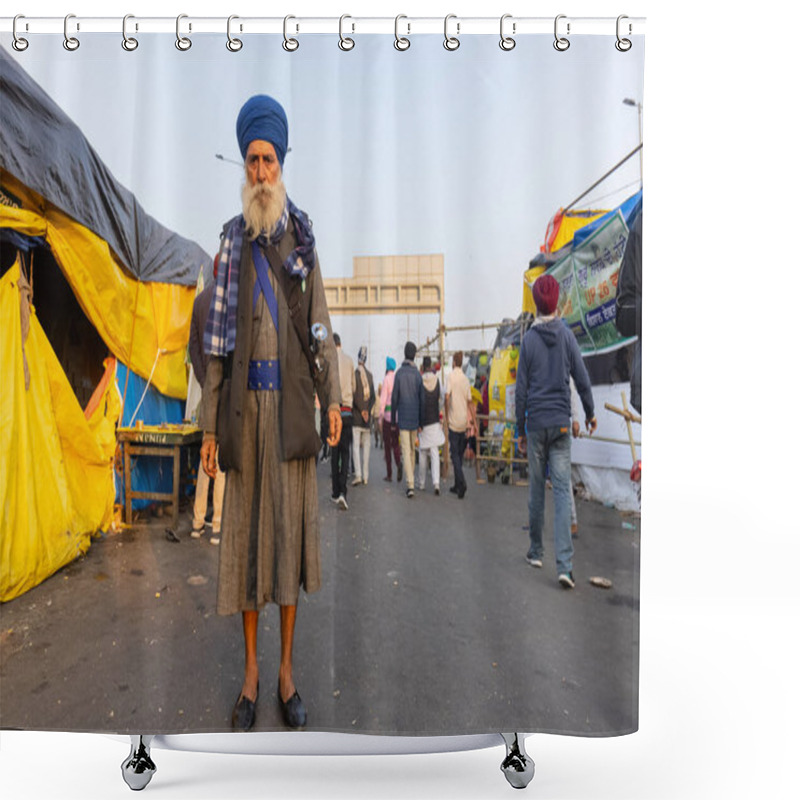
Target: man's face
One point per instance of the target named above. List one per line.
(261, 163)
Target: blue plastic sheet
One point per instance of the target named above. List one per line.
(148, 474)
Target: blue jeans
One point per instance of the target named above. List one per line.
(550, 446)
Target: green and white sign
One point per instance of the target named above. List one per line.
(587, 278)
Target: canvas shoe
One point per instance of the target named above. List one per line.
(566, 580)
(197, 533)
(357, 481)
(214, 538)
(342, 501)
(409, 493)
(534, 562)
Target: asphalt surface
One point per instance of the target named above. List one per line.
(429, 621)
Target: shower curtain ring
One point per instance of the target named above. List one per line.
(451, 42)
(234, 45)
(561, 43)
(289, 45)
(19, 44)
(128, 42)
(183, 43)
(345, 42)
(507, 42)
(400, 42)
(70, 42)
(623, 45)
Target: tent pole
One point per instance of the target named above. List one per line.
(598, 182)
(130, 353)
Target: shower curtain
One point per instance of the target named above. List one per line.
(441, 185)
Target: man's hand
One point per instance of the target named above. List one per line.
(591, 425)
(364, 416)
(523, 445)
(208, 455)
(576, 429)
(334, 426)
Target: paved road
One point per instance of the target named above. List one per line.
(429, 621)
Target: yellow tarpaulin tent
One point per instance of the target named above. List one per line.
(56, 467)
(141, 323)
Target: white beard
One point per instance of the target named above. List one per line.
(262, 205)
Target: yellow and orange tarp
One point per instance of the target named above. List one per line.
(56, 465)
(560, 231)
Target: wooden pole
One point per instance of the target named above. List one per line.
(628, 423)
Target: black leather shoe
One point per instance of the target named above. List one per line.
(293, 710)
(244, 713)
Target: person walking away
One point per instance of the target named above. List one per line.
(376, 418)
(340, 455)
(407, 410)
(431, 436)
(548, 357)
(363, 403)
(391, 441)
(199, 359)
(458, 410)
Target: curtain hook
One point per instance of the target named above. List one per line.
(19, 44)
(623, 45)
(289, 45)
(183, 43)
(451, 42)
(400, 42)
(128, 42)
(507, 42)
(561, 44)
(234, 45)
(70, 42)
(346, 43)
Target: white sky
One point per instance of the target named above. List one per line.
(467, 153)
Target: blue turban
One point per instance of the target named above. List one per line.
(263, 117)
(390, 363)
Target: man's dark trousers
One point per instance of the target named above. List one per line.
(458, 443)
(340, 458)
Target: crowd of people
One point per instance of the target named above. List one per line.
(408, 415)
(414, 409)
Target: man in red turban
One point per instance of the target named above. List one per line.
(549, 355)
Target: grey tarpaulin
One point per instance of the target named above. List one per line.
(44, 149)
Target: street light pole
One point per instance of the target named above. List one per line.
(220, 157)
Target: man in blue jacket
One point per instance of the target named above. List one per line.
(407, 402)
(548, 357)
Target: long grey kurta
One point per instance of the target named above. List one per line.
(270, 517)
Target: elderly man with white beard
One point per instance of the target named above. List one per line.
(268, 356)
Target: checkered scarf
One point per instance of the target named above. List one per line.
(220, 334)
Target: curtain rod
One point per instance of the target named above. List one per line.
(347, 25)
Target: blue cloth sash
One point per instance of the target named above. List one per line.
(263, 285)
(264, 375)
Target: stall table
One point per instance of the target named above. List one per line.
(163, 441)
